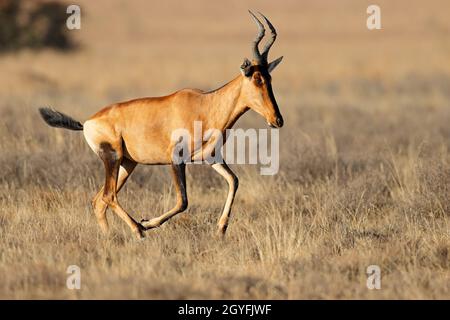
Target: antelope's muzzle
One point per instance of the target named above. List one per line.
(278, 123)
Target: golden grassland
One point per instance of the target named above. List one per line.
(364, 156)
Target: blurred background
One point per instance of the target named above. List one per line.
(364, 174)
(149, 48)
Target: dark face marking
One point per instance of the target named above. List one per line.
(262, 81)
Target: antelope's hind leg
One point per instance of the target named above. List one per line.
(126, 168)
(179, 178)
(112, 158)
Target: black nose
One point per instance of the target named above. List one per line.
(280, 122)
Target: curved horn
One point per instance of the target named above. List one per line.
(256, 55)
(273, 36)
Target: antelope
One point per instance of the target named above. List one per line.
(139, 131)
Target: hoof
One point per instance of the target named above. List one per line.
(140, 232)
(221, 231)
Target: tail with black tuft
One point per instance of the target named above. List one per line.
(57, 119)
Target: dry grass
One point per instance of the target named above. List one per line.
(365, 159)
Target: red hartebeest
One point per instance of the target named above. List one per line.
(139, 131)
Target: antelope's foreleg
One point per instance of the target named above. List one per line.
(179, 178)
(233, 182)
(126, 168)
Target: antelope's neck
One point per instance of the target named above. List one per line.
(226, 105)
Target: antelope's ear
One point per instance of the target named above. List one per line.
(273, 64)
(246, 67)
